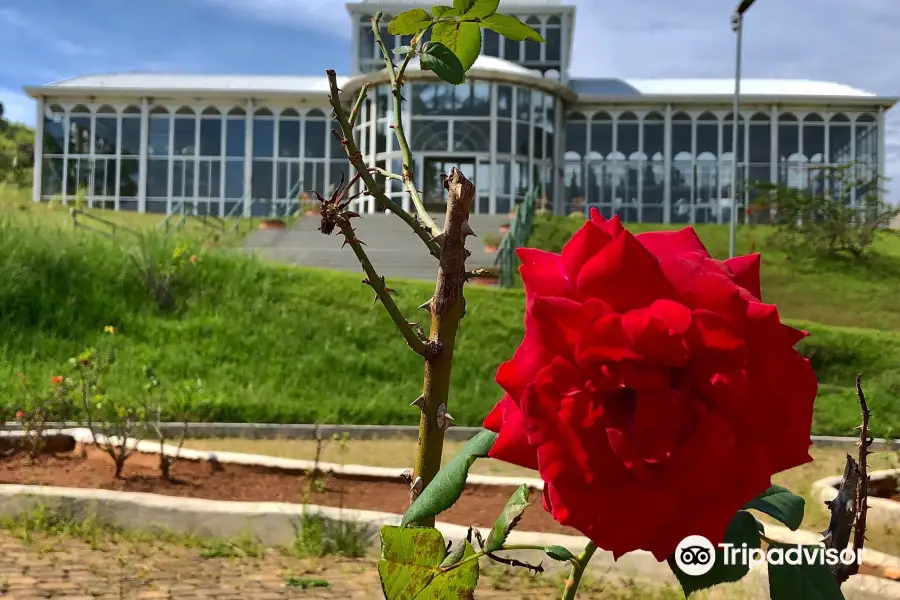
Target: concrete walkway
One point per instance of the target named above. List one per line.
(393, 248)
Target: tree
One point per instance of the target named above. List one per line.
(821, 219)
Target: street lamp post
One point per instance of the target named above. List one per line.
(737, 20)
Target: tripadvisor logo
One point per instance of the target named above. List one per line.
(696, 555)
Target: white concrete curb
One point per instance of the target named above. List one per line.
(881, 510)
(276, 524)
(378, 432)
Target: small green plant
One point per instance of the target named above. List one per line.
(181, 407)
(160, 266)
(121, 420)
(305, 583)
(38, 405)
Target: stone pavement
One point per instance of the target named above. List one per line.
(60, 566)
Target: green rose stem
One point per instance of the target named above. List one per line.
(382, 292)
(396, 75)
(447, 307)
(577, 571)
(356, 159)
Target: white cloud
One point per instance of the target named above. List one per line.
(17, 106)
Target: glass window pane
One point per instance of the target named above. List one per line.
(289, 138)
(504, 101)
(490, 43)
(51, 177)
(129, 178)
(522, 139)
(211, 136)
(158, 142)
(504, 137)
(54, 134)
(429, 135)
(263, 139)
(235, 138)
(157, 177)
(79, 135)
(184, 130)
(472, 136)
(554, 43)
(314, 138)
(234, 179)
(105, 136)
(261, 182)
(131, 136)
(511, 50)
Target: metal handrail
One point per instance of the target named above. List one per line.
(517, 237)
(78, 213)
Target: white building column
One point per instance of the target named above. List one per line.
(558, 156)
(773, 144)
(853, 158)
(248, 155)
(667, 165)
(38, 151)
(492, 199)
(142, 155)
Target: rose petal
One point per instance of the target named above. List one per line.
(745, 272)
(586, 242)
(624, 275)
(511, 446)
(543, 274)
(668, 244)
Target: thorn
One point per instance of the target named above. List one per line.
(426, 305)
(439, 239)
(420, 402)
(416, 487)
(467, 229)
(352, 215)
(407, 476)
(444, 419)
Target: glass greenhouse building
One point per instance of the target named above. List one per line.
(650, 150)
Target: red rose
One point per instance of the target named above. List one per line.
(20, 414)
(653, 391)
(56, 379)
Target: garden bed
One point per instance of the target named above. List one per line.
(479, 505)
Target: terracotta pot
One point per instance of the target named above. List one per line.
(490, 249)
(504, 229)
(311, 213)
(272, 224)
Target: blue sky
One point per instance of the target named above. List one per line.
(853, 42)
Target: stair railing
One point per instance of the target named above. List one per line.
(520, 229)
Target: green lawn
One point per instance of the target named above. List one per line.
(282, 344)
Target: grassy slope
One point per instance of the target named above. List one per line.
(275, 343)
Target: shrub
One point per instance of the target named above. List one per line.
(820, 220)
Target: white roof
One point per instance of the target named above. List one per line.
(199, 82)
(489, 63)
(717, 87)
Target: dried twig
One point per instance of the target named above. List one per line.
(849, 506)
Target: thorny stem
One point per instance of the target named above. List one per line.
(447, 307)
(354, 113)
(356, 159)
(382, 291)
(577, 572)
(862, 485)
(409, 180)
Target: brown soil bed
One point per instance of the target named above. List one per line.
(888, 488)
(479, 505)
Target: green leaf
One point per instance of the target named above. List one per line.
(402, 50)
(804, 580)
(780, 503)
(511, 28)
(558, 553)
(508, 519)
(410, 22)
(741, 530)
(455, 555)
(481, 9)
(410, 566)
(444, 12)
(438, 58)
(463, 38)
(447, 486)
(463, 5)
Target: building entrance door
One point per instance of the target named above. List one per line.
(435, 199)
